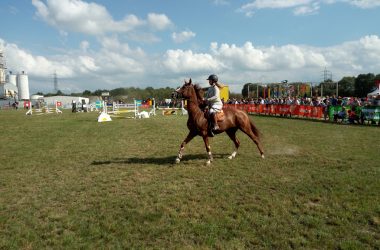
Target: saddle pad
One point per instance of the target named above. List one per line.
(220, 116)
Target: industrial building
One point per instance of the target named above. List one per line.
(15, 88)
(65, 101)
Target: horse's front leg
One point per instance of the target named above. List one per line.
(188, 138)
(208, 149)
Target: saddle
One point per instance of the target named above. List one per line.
(220, 116)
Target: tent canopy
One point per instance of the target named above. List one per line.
(374, 93)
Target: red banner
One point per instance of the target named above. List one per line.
(26, 104)
(278, 109)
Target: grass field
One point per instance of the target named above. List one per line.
(69, 182)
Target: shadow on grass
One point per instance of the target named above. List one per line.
(156, 160)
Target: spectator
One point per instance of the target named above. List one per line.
(340, 115)
(352, 117)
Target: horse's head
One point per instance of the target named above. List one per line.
(186, 91)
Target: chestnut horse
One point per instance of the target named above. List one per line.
(197, 123)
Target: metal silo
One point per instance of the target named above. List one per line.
(2, 76)
(23, 86)
(2, 68)
(12, 78)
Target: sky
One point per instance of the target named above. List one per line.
(104, 44)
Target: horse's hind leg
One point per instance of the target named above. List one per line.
(248, 131)
(188, 138)
(232, 134)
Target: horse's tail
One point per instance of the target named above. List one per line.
(255, 130)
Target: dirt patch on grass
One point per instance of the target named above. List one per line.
(284, 150)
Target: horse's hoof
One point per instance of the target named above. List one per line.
(262, 156)
(233, 155)
(208, 162)
(177, 160)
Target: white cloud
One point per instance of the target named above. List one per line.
(21, 60)
(275, 4)
(158, 21)
(143, 37)
(182, 36)
(87, 64)
(92, 18)
(179, 61)
(301, 7)
(364, 4)
(84, 45)
(272, 58)
(221, 2)
(306, 9)
(113, 44)
(117, 64)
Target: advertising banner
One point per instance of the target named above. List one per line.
(99, 104)
(277, 109)
(371, 113)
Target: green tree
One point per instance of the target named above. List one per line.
(377, 81)
(346, 86)
(86, 93)
(119, 92)
(364, 83)
(327, 88)
(99, 92)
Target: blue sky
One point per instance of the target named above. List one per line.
(121, 43)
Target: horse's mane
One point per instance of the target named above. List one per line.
(200, 93)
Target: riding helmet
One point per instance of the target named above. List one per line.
(213, 78)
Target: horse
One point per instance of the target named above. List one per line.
(197, 122)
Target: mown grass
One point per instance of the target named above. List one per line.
(67, 181)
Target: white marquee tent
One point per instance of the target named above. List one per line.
(374, 93)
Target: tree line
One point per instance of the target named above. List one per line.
(124, 94)
(358, 86)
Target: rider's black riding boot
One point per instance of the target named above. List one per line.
(215, 121)
(211, 125)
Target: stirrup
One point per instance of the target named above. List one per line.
(211, 133)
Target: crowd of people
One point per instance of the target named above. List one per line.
(351, 115)
(315, 101)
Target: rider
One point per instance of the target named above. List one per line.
(213, 99)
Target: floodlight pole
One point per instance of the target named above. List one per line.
(257, 92)
(337, 88)
(285, 82)
(321, 89)
(311, 89)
